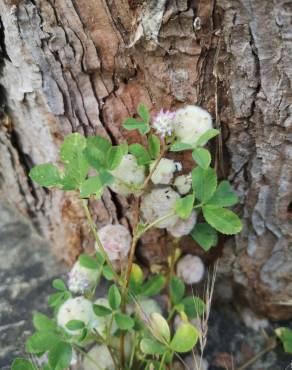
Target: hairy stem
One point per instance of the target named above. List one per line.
(155, 166)
(162, 361)
(156, 222)
(95, 234)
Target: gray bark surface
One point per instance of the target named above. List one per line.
(85, 65)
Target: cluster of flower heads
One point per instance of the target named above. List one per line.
(186, 124)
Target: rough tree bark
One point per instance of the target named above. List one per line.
(76, 65)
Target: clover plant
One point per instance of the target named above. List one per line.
(127, 328)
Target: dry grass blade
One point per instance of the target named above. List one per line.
(204, 319)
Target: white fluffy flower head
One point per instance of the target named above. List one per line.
(162, 123)
(183, 183)
(116, 240)
(103, 358)
(127, 174)
(78, 308)
(190, 123)
(183, 227)
(164, 171)
(158, 203)
(190, 269)
(81, 279)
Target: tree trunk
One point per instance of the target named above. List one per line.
(76, 65)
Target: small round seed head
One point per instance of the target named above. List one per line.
(190, 269)
(116, 240)
(183, 183)
(81, 279)
(183, 227)
(158, 203)
(190, 123)
(164, 171)
(78, 308)
(103, 358)
(128, 174)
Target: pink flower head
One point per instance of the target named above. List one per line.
(162, 123)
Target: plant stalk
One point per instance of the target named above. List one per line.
(95, 234)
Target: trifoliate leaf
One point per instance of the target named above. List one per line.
(60, 356)
(179, 147)
(184, 206)
(95, 151)
(204, 183)
(143, 112)
(41, 341)
(89, 262)
(101, 310)
(43, 322)
(185, 338)
(285, 334)
(159, 327)
(177, 290)
(75, 325)
(114, 297)
(59, 284)
(224, 195)
(131, 124)
(193, 307)
(45, 175)
(136, 278)
(91, 186)
(107, 273)
(205, 235)
(76, 165)
(206, 136)
(152, 347)
(22, 364)
(123, 321)
(153, 286)
(106, 177)
(202, 157)
(222, 219)
(140, 153)
(154, 146)
(114, 157)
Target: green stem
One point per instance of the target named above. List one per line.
(171, 313)
(145, 183)
(162, 361)
(133, 351)
(157, 221)
(99, 244)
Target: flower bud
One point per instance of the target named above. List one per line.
(128, 174)
(190, 123)
(158, 203)
(183, 227)
(190, 269)
(163, 173)
(82, 279)
(78, 308)
(116, 240)
(183, 183)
